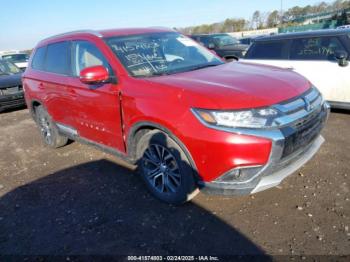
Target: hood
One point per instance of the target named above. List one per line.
(236, 47)
(236, 85)
(10, 80)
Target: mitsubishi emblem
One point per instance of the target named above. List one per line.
(308, 106)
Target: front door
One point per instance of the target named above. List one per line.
(314, 58)
(96, 109)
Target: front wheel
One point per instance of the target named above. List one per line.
(165, 168)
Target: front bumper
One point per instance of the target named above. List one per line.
(266, 180)
(293, 145)
(12, 101)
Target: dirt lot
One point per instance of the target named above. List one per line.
(77, 200)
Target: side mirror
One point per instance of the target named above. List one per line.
(94, 75)
(341, 57)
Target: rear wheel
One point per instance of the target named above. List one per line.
(48, 130)
(165, 168)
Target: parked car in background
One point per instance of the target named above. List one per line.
(20, 59)
(344, 27)
(225, 45)
(321, 56)
(11, 93)
(248, 40)
(161, 100)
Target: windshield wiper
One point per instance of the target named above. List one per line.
(187, 69)
(3, 73)
(159, 74)
(202, 66)
(153, 74)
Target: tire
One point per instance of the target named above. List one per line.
(48, 129)
(165, 168)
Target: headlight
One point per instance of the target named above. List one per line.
(255, 118)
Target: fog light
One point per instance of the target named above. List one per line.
(242, 174)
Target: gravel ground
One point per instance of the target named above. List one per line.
(77, 200)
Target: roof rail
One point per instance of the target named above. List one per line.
(93, 32)
(161, 28)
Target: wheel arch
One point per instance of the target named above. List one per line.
(33, 105)
(141, 128)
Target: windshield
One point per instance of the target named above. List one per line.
(155, 54)
(7, 68)
(16, 58)
(223, 40)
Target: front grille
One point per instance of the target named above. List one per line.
(302, 121)
(302, 136)
(11, 90)
(13, 102)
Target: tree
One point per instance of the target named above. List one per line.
(256, 20)
(233, 25)
(339, 4)
(294, 12)
(343, 19)
(321, 7)
(202, 29)
(273, 19)
(260, 20)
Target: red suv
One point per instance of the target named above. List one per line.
(188, 120)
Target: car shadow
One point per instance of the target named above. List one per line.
(102, 208)
(340, 111)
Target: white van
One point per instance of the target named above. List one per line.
(321, 56)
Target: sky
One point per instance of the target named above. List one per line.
(26, 22)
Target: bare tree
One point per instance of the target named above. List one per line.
(261, 20)
(273, 19)
(256, 19)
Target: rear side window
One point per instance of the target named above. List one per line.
(203, 40)
(317, 48)
(267, 50)
(86, 54)
(57, 58)
(39, 58)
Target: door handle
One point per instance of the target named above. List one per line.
(41, 85)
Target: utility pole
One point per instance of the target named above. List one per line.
(281, 13)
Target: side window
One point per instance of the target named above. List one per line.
(267, 50)
(204, 40)
(57, 58)
(86, 54)
(317, 48)
(39, 58)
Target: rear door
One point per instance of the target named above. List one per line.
(96, 109)
(54, 85)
